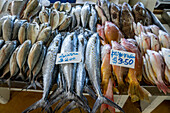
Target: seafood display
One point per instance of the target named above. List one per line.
(32, 36)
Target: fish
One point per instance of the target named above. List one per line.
(1, 23)
(118, 71)
(165, 54)
(45, 35)
(93, 19)
(5, 71)
(135, 28)
(67, 7)
(146, 41)
(133, 41)
(100, 31)
(155, 29)
(54, 19)
(37, 69)
(167, 74)
(140, 28)
(42, 26)
(31, 5)
(13, 66)
(72, 14)
(17, 25)
(43, 15)
(155, 45)
(135, 91)
(22, 33)
(6, 51)
(85, 14)
(1, 43)
(33, 56)
(115, 12)
(101, 14)
(158, 67)
(92, 64)
(32, 32)
(21, 8)
(62, 7)
(57, 5)
(112, 32)
(127, 20)
(34, 12)
(147, 29)
(62, 18)
(22, 55)
(37, 20)
(47, 71)
(65, 24)
(14, 7)
(127, 5)
(2, 4)
(77, 13)
(164, 39)
(7, 28)
(104, 5)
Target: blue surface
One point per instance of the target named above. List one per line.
(63, 1)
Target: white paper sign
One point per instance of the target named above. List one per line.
(68, 57)
(122, 58)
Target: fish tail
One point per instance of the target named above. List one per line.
(133, 91)
(38, 84)
(8, 81)
(61, 103)
(40, 103)
(100, 100)
(90, 91)
(103, 108)
(163, 87)
(111, 109)
(70, 107)
(32, 85)
(21, 75)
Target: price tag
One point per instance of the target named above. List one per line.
(122, 58)
(68, 57)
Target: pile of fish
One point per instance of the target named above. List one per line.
(72, 79)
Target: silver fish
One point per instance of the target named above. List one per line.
(37, 69)
(7, 28)
(32, 32)
(78, 15)
(92, 64)
(33, 56)
(22, 55)
(48, 68)
(22, 33)
(85, 14)
(5, 52)
(45, 35)
(65, 24)
(93, 20)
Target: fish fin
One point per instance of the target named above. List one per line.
(70, 107)
(21, 75)
(100, 100)
(38, 84)
(90, 91)
(32, 85)
(40, 103)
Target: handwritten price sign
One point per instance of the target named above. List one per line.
(122, 58)
(68, 57)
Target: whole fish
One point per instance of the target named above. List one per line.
(92, 64)
(164, 39)
(31, 5)
(65, 24)
(165, 54)
(155, 45)
(77, 13)
(22, 33)
(43, 15)
(32, 32)
(134, 76)
(14, 69)
(45, 35)
(6, 51)
(33, 56)
(72, 14)
(93, 20)
(22, 55)
(7, 28)
(158, 68)
(1, 43)
(104, 5)
(54, 19)
(37, 69)
(115, 14)
(119, 71)
(17, 25)
(101, 14)
(48, 69)
(85, 14)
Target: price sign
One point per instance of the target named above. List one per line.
(122, 58)
(68, 57)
